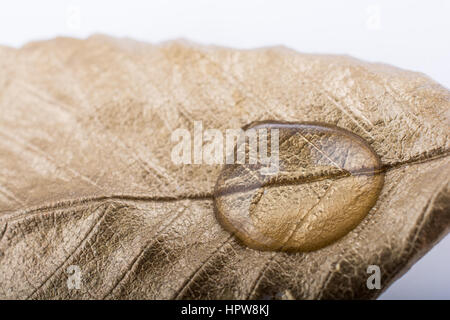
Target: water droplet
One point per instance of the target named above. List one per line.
(327, 181)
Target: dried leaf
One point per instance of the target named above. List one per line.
(87, 178)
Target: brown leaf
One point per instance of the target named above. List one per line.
(87, 178)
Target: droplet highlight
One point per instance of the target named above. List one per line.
(327, 181)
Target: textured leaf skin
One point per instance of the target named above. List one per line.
(86, 176)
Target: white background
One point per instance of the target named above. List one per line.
(414, 35)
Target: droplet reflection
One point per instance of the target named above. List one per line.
(328, 179)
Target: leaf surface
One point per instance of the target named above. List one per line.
(86, 176)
